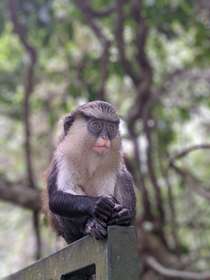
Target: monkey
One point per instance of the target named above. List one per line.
(88, 185)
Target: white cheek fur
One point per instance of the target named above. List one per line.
(81, 170)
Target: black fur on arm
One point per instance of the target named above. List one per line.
(127, 194)
(71, 206)
(65, 204)
(125, 208)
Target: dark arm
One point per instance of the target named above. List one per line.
(125, 211)
(69, 205)
(125, 190)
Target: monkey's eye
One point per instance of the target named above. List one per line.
(112, 129)
(95, 126)
(87, 118)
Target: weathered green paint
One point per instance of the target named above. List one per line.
(123, 261)
(115, 258)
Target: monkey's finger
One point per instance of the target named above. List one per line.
(109, 204)
(100, 211)
(122, 217)
(116, 214)
(113, 199)
(113, 222)
(100, 235)
(123, 223)
(102, 216)
(108, 201)
(100, 225)
(97, 234)
(122, 213)
(124, 220)
(103, 208)
(100, 231)
(97, 229)
(118, 207)
(120, 222)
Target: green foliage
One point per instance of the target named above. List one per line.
(68, 72)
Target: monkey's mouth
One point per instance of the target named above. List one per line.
(100, 149)
(102, 145)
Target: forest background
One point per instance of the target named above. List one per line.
(148, 58)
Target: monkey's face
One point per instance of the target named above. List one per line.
(90, 134)
(93, 128)
(104, 132)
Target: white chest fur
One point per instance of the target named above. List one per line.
(80, 181)
(99, 185)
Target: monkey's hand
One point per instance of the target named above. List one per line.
(121, 216)
(104, 208)
(96, 229)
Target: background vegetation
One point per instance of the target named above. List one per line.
(151, 60)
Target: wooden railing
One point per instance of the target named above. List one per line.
(113, 259)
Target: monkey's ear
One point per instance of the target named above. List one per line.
(63, 126)
(68, 121)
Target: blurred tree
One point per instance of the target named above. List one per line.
(151, 60)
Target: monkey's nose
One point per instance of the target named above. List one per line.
(103, 142)
(102, 145)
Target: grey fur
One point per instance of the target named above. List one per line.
(124, 191)
(97, 109)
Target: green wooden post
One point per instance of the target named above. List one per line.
(115, 258)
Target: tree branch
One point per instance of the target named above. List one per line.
(28, 86)
(172, 208)
(141, 33)
(87, 12)
(175, 274)
(20, 30)
(144, 87)
(100, 13)
(192, 181)
(148, 215)
(188, 150)
(119, 36)
(152, 174)
(20, 195)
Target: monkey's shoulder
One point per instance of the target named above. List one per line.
(124, 173)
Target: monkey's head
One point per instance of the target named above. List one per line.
(93, 126)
